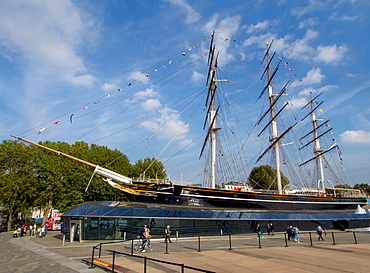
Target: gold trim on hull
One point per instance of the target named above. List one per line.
(135, 192)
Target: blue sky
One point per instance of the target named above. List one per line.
(65, 60)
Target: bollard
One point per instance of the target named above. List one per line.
(177, 235)
(310, 238)
(199, 244)
(286, 241)
(113, 260)
(230, 242)
(124, 236)
(354, 236)
(132, 246)
(259, 242)
(221, 233)
(332, 235)
(166, 247)
(63, 240)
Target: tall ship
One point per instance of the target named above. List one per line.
(223, 190)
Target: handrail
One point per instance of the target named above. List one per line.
(159, 261)
(259, 245)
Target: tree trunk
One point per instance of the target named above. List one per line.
(47, 212)
(9, 221)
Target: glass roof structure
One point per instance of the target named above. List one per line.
(149, 210)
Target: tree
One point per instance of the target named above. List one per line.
(34, 177)
(149, 168)
(343, 186)
(362, 186)
(17, 182)
(264, 177)
(68, 179)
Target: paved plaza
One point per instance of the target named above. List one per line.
(344, 252)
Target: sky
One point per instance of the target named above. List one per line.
(94, 71)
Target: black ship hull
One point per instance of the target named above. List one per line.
(202, 197)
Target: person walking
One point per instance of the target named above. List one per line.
(167, 234)
(259, 231)
(319, 231)
(270, 229)
(295, 231)
(289, 232)
(42, 235)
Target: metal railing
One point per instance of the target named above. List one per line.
(199, 244)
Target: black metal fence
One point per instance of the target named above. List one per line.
(224, 242)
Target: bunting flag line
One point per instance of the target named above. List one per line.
(256, 43)
(183, 53)
(170, 62)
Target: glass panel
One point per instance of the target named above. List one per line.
(107, 228)
(121, 229)
(91, 228)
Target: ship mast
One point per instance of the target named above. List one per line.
(274, 131)
(318, 150)
(212, 113)
(213, 128)
(275, 138)
(317, 146)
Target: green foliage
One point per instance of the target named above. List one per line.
(264, 177)
(33, 177)
(17, 180)
(149, 168)
(363, 186)
(344, 186)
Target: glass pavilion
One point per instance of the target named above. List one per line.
(119, 220)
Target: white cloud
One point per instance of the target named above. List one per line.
(226, 28)
(348, 18)
(313, 76)
(300, 49)
(151, 104)
(197, 77)
(211, 24)
(138, 76)
(85, 80)
(49, 43)
(355, 137)
(167, 124)
(148, 93)
(109, 86)
(309, 90)
(299, 102)
(308, 22)
(191, 15)
(186, 142)
(258, 27)
(336, 17)
(313, 5)
(306, 91)
(361, 120)
(330, 54)
(338, 100)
